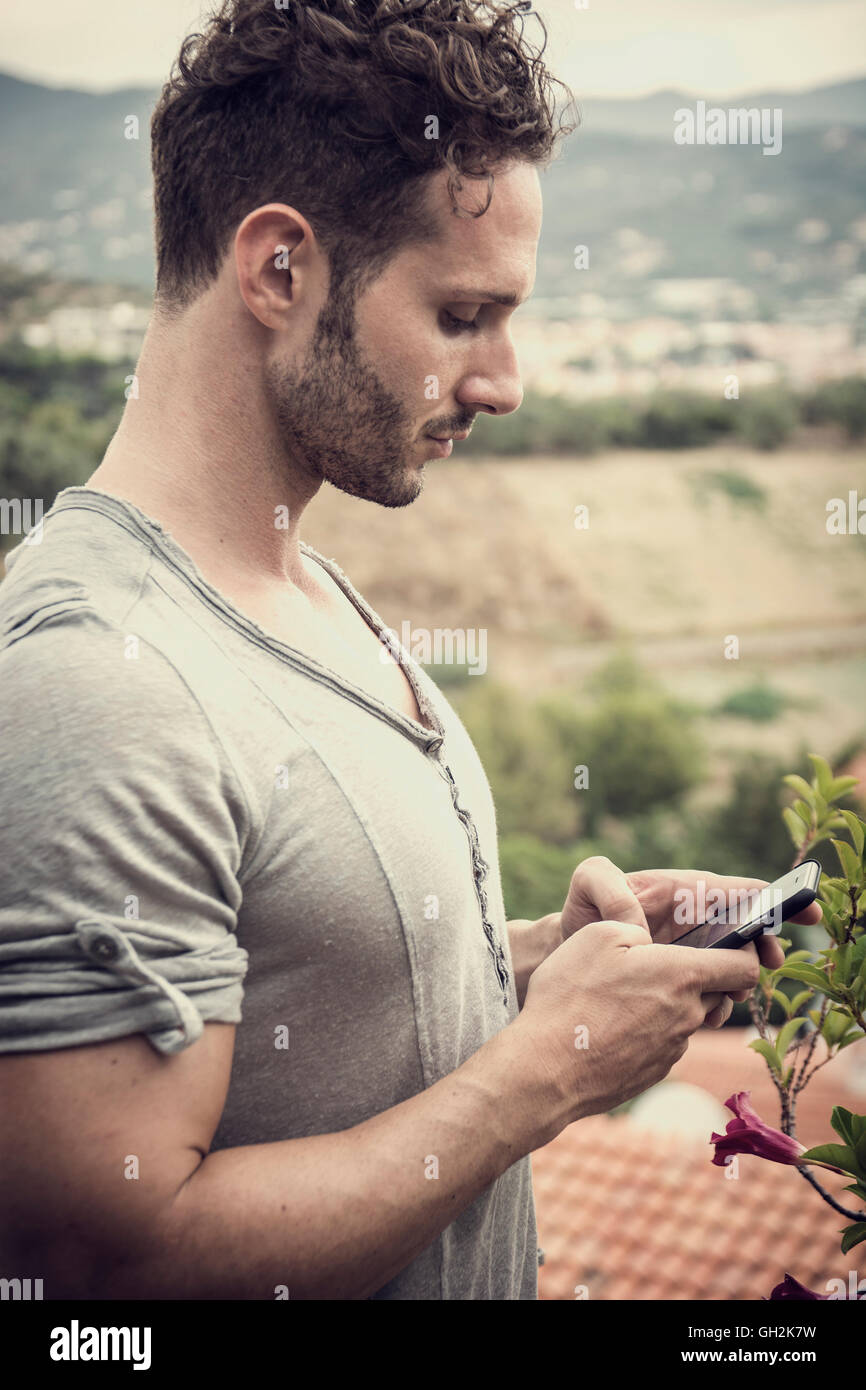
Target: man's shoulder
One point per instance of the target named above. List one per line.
(76, 562)
(65, 643)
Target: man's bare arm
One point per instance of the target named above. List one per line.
(111, 1190)
(531, 943)
(112, 1193)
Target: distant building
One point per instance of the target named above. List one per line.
(113, 332)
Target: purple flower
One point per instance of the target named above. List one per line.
(791, 1288)
(747, 1134)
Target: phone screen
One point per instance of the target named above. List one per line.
(750, 909)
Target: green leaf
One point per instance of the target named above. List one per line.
(848, 859)
(805, 813)
(850, 1038)
(856, 827)
(842, 1121)
(806, 973)
(800, 785)
(839, 786)
(799, 1000)
(786, 1033)
(796, 828)
(841, 958)
(833, 889)
(857, 1188)
(768, 1052)
(853, 1235)
(823, 834)
(781, 998)
(834, 925)
(797, 956)
(836, 1025)
(811, 975)
(838, 1155)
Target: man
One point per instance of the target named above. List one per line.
(266, 1032)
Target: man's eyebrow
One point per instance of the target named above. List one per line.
(462, 296)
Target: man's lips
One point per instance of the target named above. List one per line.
(445, 442)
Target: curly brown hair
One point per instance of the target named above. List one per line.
(327, 105)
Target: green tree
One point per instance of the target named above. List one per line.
(765, 419)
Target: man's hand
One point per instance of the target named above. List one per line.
(649, 898)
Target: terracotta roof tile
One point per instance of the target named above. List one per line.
(632, 1213)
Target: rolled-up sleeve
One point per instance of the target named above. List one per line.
(122, 830)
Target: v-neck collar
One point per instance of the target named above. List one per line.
(129, 515)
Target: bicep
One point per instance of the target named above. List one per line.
(96, 1142)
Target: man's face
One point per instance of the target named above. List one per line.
(428, 347)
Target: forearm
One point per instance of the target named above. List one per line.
(531, 943)
(337, 1216)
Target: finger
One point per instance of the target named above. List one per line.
(719, 1015)
(809, 917)
(600, 891)
(770, 953)
(727, 971)
(626, 933)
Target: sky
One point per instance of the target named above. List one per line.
(600, 47)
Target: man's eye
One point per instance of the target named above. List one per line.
(458, 325)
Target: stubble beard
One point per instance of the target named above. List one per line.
(338, 422)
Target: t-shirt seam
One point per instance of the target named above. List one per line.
(159, 542)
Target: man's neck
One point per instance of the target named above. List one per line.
(193, 452)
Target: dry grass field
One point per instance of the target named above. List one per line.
(681, 551)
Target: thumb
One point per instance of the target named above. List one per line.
(599, 891)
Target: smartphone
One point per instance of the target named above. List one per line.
(773, 906)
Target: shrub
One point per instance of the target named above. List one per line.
(737, 486)
(759, 702)
(841, 402)
(683, 420)
(765, 419)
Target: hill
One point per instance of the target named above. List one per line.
(76, 190)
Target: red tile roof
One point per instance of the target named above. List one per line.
(625, 1212)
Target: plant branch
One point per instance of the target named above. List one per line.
(798, 1082)
(803, 1170)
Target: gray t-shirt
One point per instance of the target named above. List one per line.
(198, 822)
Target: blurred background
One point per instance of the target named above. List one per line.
(645, 545)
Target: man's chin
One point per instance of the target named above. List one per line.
(404, 498)
(411, 485)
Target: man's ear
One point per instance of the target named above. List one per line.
(277, 262)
